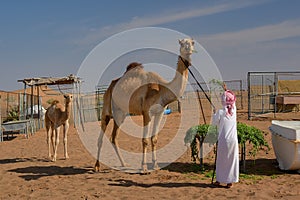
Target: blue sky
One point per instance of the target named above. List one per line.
(41, 38)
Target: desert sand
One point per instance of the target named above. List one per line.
(27, 173)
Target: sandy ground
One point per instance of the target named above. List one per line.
(27, 173)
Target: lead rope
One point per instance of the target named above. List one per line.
(207, 97)
(214, 170)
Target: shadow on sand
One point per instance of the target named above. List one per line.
(18, 160)
(262, 167)
(36, 172)
(129, 183)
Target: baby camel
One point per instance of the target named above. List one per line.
(56, 116)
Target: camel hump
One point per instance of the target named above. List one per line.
(133, 65)
(54, 102)
(153, 86)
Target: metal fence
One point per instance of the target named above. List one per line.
(20, 107)
(90, 107)
(264, 88)
(234, 85)
(91, 103)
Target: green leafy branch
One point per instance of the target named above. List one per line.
(195, 133)
(246, 133)
(252, 135)
(13, 114)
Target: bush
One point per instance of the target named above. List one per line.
(12, 115)
(246, 133)
(252, 135)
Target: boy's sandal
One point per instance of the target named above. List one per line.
(229, 185)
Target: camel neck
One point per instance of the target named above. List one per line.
(177, 86)
(186, 63)
(67, 109)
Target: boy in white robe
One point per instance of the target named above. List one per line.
(227, 164)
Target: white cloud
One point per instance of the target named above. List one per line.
(267, 33)
(187, 14)
(264, 48)
(165, 17)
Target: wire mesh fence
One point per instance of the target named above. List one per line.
(20, 106)
(266, 89)
(20, 112)
(234, 85)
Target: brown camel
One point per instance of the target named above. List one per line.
(143, 93)
(57, 115)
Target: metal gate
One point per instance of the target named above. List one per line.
(264, 88)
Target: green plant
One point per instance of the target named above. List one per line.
(49, 101)
(216, 82)
(252, 135)
(13, 114)
(196, 133)
(245, 132)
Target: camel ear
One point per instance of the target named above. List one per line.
(180, 42)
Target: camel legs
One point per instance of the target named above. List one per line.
(157, 113)
(145, 141)
(114, 141)
(156, 123)
(49, 133)
(118, 120)
(118, 116)
(104, 123)
(53, 135)
(56, 131)
(50, 139)
(65, 132)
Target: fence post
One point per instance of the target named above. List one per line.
(276, 93)
(249, 98)
(241, 92)
(201, 140)
(244, 157)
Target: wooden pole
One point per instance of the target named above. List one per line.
(39, 106)
(31, 105)
(201, 138)
(200, 103)
(215, 164)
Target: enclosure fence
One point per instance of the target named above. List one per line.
(91, 103)
(266, 90)
(15, 106)
(20, 106)
(234, 85)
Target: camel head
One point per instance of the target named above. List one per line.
(186, 48)
(68, 98)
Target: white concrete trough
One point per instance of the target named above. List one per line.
(286, 143)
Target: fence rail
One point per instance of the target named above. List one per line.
(265, 87)
(91, 103)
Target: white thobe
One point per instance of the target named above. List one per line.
(227, 165)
